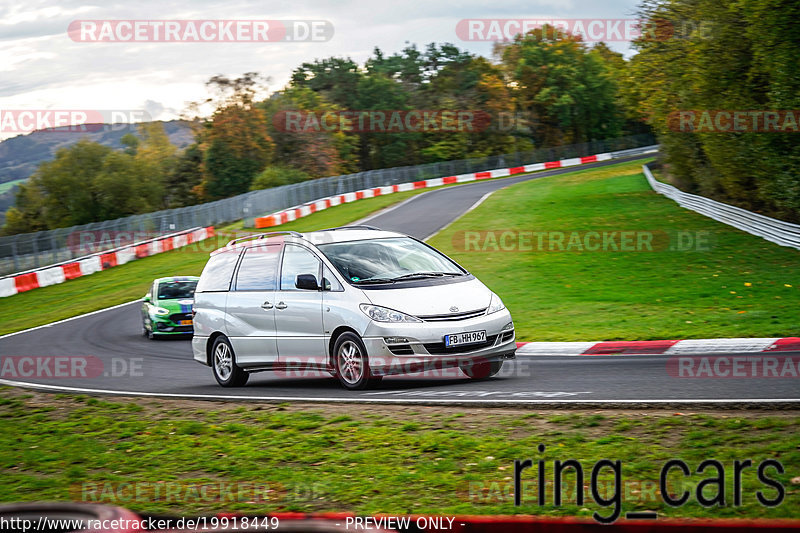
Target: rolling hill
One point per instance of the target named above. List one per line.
(19, 156)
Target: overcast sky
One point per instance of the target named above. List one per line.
(43, 68)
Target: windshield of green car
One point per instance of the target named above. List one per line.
(173, 290)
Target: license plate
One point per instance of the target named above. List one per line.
(469, 337)
(185, 322)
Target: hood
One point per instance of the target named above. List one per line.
(433, 299)
(179, 305)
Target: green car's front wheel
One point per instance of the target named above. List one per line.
(148, 332)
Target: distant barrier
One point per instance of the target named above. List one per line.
(299, 211)
(771, 229)
(84, 266)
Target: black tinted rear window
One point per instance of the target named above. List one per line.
(217, 274)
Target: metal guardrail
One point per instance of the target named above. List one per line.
(32, 250)
(104, 251)
(771, 229)
(297, 211)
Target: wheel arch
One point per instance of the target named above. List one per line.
(334, 336)
(210, 344)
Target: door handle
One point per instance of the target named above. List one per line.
(266, 305)
(281, 305)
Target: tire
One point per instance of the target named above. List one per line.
(223, 365)
(481, 370)
(351, 362)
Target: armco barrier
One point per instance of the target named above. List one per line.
(771, 229)
(299, 211)
(54, 274)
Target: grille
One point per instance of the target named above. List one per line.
(401, 349)
(507, 336)
(161, 326)
(438, 348)
(177, 317)
(453, 316)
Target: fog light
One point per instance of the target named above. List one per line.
(510, 325)
(396, 340)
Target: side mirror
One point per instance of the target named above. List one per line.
(146, 298)
(306, 282)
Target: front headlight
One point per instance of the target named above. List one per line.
(495, 305)
(160, 311)
(383, 314)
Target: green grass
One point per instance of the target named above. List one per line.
(7, 186)
(363, 460)
(130, 281)
(735, 285)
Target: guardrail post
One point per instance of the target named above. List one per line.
(35, 247)
(14, 254)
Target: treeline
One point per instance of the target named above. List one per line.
(719, 58)
(544, 89)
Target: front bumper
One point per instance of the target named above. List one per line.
(199, 349)
(425, 350)
(165, 326)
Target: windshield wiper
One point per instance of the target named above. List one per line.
(374, 280)
(427, 275)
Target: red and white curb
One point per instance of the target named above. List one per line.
(293, 213)
(665, 347)
(101, 261)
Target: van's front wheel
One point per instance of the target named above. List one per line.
(223, 363)
(351, 362)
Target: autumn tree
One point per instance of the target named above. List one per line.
(561, 86)
(724, 55)
(235, 141)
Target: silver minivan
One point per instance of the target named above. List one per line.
(356, 301)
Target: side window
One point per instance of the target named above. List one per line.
(297, 260)
(257, 269)
(218, 271)
(329, 281)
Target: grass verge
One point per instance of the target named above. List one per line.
(382, 459)
(725, 283)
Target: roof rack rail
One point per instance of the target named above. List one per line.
(357, 226)
(256, 236)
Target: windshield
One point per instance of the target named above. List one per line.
(172, 290)
(388, 260)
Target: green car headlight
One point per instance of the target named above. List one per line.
(160, 311)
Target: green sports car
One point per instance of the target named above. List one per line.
(167, 306)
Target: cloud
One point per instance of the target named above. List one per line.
(42, 68)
